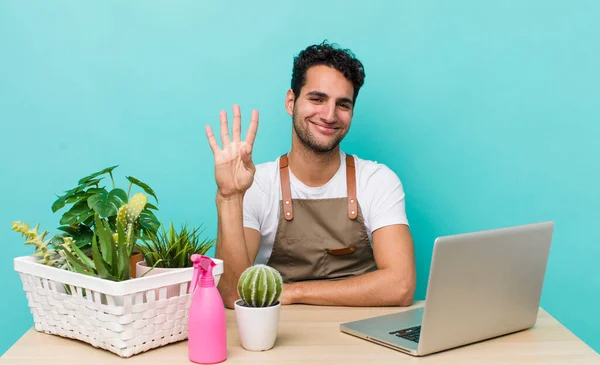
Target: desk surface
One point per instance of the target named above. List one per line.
(310, 335)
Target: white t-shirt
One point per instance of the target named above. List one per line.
(378, 190)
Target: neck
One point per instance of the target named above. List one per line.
(313, 168)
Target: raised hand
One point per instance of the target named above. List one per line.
(234, 169)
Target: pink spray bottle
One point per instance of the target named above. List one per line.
(207, 329)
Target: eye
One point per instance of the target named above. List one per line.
(317, 99)
(345, 106)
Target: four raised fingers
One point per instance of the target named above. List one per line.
(237, 126)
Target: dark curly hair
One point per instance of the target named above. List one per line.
(330, 55)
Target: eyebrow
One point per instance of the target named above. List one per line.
(323, 95)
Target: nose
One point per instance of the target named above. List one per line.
(327, 114)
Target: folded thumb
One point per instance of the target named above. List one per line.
(246, 158)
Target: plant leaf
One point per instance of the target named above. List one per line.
(123, 263)
(103, 271)
(77, 214)
(83, 257)
(77, 264)
(105, 239)
(142, 185)
(89, 183)
(88, 222)
(58, 203)
(95, 174)
(148, 221)
(150, 206)
(107, 204)
(57, 240)
(94, 191)
(82, 234)
(74, 198)
(119, 193)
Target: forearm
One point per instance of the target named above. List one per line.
(382, 287)
(231, 246)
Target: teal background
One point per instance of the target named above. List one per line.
(487, 111)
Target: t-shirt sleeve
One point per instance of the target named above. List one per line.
(385, 198)
(254, 199)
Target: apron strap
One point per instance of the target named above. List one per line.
(351, 186)
(286, 193)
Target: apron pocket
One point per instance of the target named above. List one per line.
(345, 262)
(299, 259)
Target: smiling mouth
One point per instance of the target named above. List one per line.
(324, 129)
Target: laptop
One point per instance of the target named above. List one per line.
(481, 285)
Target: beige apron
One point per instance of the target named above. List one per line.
(320, 239)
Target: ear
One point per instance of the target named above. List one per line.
(289, 102)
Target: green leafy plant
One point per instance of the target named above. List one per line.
(172, 248)
(110, 250)
(260, 286)
(89, 198)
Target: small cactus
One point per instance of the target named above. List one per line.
(135, 206)
(127, 216)
(122, 215)
(260, 286)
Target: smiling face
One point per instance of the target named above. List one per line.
(323, 111)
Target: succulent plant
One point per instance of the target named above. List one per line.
(260, 286)
(47, 254)
(172, 248)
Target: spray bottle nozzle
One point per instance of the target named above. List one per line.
(203, 267)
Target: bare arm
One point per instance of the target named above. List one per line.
(237, 247)
(234, 174)
(393, 284)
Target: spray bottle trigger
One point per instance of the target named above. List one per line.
(207, 265)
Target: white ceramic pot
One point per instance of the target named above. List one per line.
(172, 290)
(257, 327)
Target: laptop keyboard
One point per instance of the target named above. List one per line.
(411, 334)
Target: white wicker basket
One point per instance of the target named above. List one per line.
(125, 318)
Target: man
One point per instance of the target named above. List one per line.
(334, 225)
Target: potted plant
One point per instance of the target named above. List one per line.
(111, 252)
(95, 210)
(171, 250)
(78, 282)
(89, 198)
(257, 310)
(110, 256)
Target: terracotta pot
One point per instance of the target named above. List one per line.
(133, 260)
